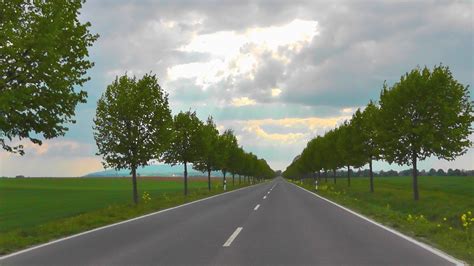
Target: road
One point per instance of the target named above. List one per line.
(274, 223)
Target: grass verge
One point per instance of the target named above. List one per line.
(443, 217)
(15, 237)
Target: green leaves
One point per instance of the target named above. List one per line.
(133, 122)
(227, 144)
(43, 56)
(426, 113)
(186, 139)
(208, 159)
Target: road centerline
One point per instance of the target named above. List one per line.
(256, 207)
(264, 197)
(232, 237)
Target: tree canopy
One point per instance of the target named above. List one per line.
(43, 58)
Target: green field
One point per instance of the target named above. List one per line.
(434, 219)
(35, 210)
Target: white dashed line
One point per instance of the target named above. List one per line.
(232, 237)
(256, 207)
(264, 197)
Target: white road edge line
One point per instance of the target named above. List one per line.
(232, 237)
(264, 197)
(256, 207)
(115, 224)
(412, 240)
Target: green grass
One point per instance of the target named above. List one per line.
(392, 204)
(37, 210)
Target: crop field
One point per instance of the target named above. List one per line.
(437, 218)
(34, 210)
(31, 201)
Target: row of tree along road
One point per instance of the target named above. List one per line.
(427, 113)
(44, 59)
(134, 125)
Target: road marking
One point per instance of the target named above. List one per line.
(232, 237)
(264, 197)
(118, 223)
(412, 240)
(256, 207)
(268, 192)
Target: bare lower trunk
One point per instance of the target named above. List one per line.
(371, 175)
(319, 175)
(416, 196)
(134, 182)
(334, 175)
(185, 179)
(209, 179)
(326, 176)
(233, 179)
(348, 175)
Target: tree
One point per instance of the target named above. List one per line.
(350, 148)
(235, 161)
(132, 124)
(208, 159)
(43, 56)
(227, 142)
(185, 142)
(427, 113)
(440, 172)
(333, 159)
(432, 172)
(365, 125)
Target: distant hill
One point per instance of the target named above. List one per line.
(154, 170)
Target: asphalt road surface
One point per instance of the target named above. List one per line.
(274, 223)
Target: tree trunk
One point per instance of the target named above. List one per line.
(325, 175)
(415, 178)
(348, 175)
(319, 175)
(209, 179)
(371, 175)
(334, 175)
(134, 182)
(239, 179)
(185, 179)
(233, 179)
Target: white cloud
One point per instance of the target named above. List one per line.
(276, 92)
(206, 73)
(228, 43)
(237, 55)
(242, 101)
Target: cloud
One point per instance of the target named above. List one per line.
(276, 92)
(242, 101)
(285, 71)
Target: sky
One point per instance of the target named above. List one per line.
(276, 72)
